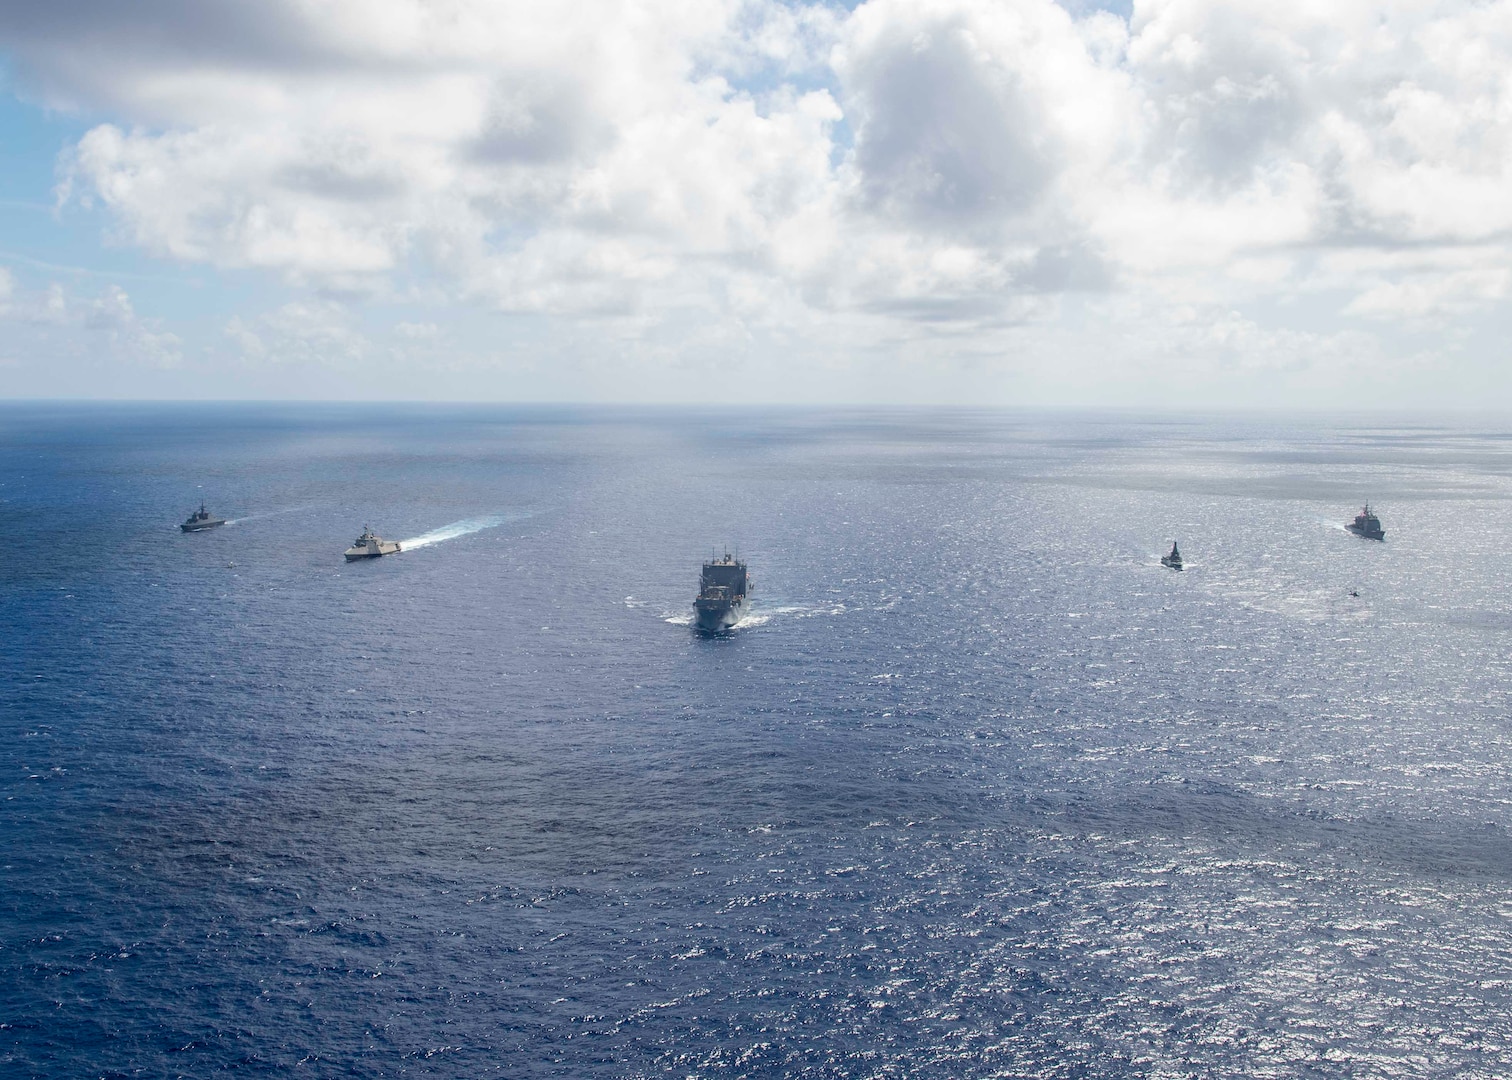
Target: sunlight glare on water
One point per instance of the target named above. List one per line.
(979, 789)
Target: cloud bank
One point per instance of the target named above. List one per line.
(1211, 183)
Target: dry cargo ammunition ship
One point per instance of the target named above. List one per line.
(723, 589)
(370, 546)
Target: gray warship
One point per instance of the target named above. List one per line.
(1173, 560)
(1367, 525)
(723, 588)
(201, 520)
(370, 546)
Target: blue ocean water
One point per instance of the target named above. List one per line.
(980, 789)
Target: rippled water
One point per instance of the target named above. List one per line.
(980, 789)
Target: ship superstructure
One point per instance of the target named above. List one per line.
(201, 520)
(370, 546)
(723, 589)
(1366, 524)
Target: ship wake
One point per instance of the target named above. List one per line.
(761, 616)
(465, 527)
(265, 514)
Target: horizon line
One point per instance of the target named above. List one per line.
(1182, 409)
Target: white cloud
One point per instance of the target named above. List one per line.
(930, 169)
(105, 325)
(1433, 294)
(424, 331)
(319, 333)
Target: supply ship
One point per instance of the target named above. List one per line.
(370, 546)
(1367, 525)
(201, 520)
(722, 592)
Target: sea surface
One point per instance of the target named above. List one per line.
(979, 789)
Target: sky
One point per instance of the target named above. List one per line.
(1191, 203)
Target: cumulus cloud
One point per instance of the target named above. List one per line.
(948, 132)
(961, 164)
(309, 334)
(104, 325)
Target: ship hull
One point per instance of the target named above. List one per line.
(367, 553)
(1171, 564)
(1367, 534)
(201, 526)
(714, 618)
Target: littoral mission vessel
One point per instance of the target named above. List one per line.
(1367, 525)
(723, 588)
(201, 520)
(369, 546)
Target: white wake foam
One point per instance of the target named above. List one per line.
(458, 528)
(761, 616)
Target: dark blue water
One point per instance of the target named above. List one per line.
(979, 790)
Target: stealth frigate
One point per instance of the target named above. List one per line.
(370, 546)
(201, 520)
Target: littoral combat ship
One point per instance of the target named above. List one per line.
(722, 591)
(1367, 525)
(201, 520)
(370, 546)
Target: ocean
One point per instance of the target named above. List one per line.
(978, 789)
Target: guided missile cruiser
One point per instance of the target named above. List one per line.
(370, 546)
(1366, 524)
(723, 588)
(201, 520)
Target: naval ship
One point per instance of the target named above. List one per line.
(722, 591)
(1173, 560)
(370, 546)
(1367, 525)
(201, 520)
